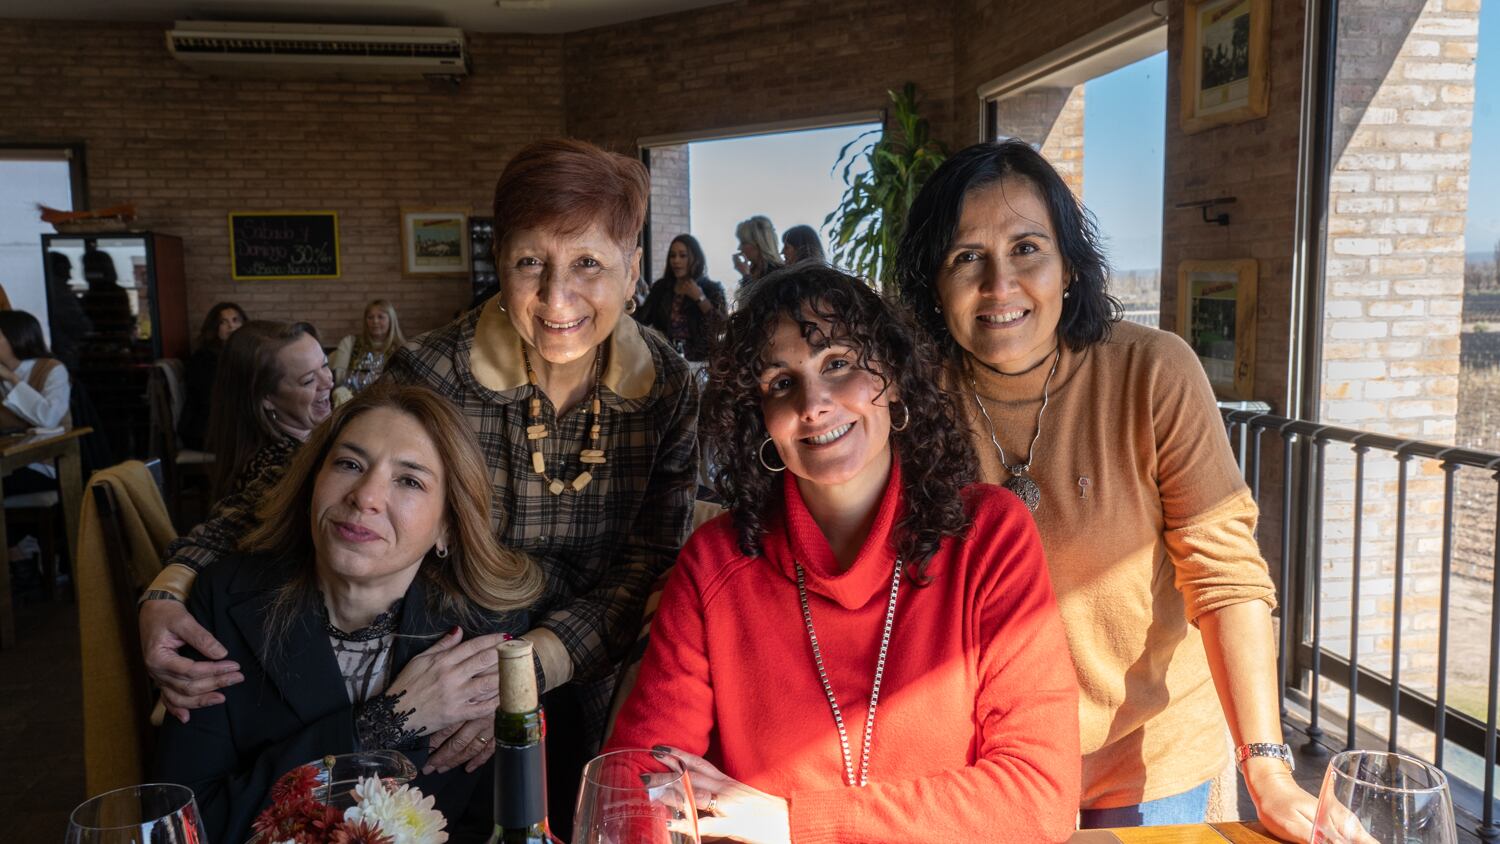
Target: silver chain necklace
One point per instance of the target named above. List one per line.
(838, 715)
(1020, 481)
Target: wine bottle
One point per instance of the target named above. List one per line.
(520, 752)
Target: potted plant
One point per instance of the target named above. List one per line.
(865, 228)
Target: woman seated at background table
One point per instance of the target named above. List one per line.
(36, 390)
(368, 351)
(273, 390)
(1109, 430)
(223, 319)
(685, 305)
(871, 553)
(348, 610)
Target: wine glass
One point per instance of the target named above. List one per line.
(1373, 797)
(634, 797)
(156, 813)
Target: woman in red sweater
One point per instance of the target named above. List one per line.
(866, 647)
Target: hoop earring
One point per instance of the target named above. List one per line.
(905, 419)
(762, 453)
(630, 305)
(442, 553)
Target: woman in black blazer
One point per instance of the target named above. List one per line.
(686, 306)
(349, 614)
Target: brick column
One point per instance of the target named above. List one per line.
(671, 212)
(1050, 119)
(1394, 296)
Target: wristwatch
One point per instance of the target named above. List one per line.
(1275, 751)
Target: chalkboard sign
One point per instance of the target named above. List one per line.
(284, 244)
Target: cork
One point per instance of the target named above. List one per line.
(517, 677)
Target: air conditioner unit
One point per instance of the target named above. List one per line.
(319, 50)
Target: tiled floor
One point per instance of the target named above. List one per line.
(41, 729)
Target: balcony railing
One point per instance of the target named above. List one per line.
(1304, 451)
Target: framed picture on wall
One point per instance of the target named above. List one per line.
(1216, 315)
(434, 241)
(1226, 70)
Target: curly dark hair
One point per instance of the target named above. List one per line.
(834, 308)
(1087, 314)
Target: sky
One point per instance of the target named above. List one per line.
(27, 183)
(1124, 134)
(787, 177)
(1483, 229)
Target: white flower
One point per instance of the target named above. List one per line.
(404, 814)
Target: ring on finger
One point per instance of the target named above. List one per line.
(482, 740)
(713, 803)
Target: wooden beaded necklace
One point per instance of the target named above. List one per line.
(536, 431)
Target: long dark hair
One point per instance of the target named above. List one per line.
(208, 333)
(697, 261)
(936, 458)
(1089, 311)
(805, 240)
(238, 425)
(24, 334)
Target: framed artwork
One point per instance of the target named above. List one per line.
(1226, 70)
(435, 241)
(1216, 316)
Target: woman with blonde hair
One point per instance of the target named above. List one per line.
(350, 610)
(759, 255)
(368, 351)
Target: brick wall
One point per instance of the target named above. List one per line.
(1052, 120)
(671, 204)
(188, 148)
(756, 61)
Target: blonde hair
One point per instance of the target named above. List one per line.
(758, 231)
(478, 570)
(393, 340)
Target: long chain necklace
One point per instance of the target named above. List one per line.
(1020, 481)
(536, 431)
(838, 715)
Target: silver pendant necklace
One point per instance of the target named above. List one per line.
(1020, 481)
(838, 715)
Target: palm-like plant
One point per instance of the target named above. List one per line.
(865, 228)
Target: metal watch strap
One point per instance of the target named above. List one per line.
(159, 595)
(1275, 751)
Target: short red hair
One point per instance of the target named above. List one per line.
(566, 186)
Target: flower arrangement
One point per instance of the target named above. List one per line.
(381, 814)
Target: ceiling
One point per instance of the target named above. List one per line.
(535, 16)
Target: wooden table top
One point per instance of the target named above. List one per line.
(1236, 833)
(16, 443)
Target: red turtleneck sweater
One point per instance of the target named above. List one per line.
(976, 734)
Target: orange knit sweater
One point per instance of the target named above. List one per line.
(1147, 524)
(975, 734)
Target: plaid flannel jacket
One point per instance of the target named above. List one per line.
(602, 548)
(234, 514)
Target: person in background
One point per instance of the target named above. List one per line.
(106, 303)
(854, 545)
(222, 320)
(758, 255)
(368, 351)
(69, 323)
(685, 305)
(35, 388)
(352, 610)
(801, 243)
(1110, 432)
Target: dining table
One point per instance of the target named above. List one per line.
(1198, 833)
(23, 449)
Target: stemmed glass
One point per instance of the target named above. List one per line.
(634, 797)
(1371, 797)
(156, 813)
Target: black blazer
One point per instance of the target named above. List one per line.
(293, 709)
(703, 328)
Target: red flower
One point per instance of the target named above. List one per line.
(297, 783)
(359, 832)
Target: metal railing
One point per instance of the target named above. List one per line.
(1303, 655)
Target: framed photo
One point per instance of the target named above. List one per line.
(435, 241)
(1226, 72)
(1216, 315)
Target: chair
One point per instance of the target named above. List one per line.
(167, 396)
(123, 534)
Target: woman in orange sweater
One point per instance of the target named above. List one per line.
(1109, 431)
(866, 647)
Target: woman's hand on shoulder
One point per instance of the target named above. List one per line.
(734, 811)
(449, 683)
(166, 626)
